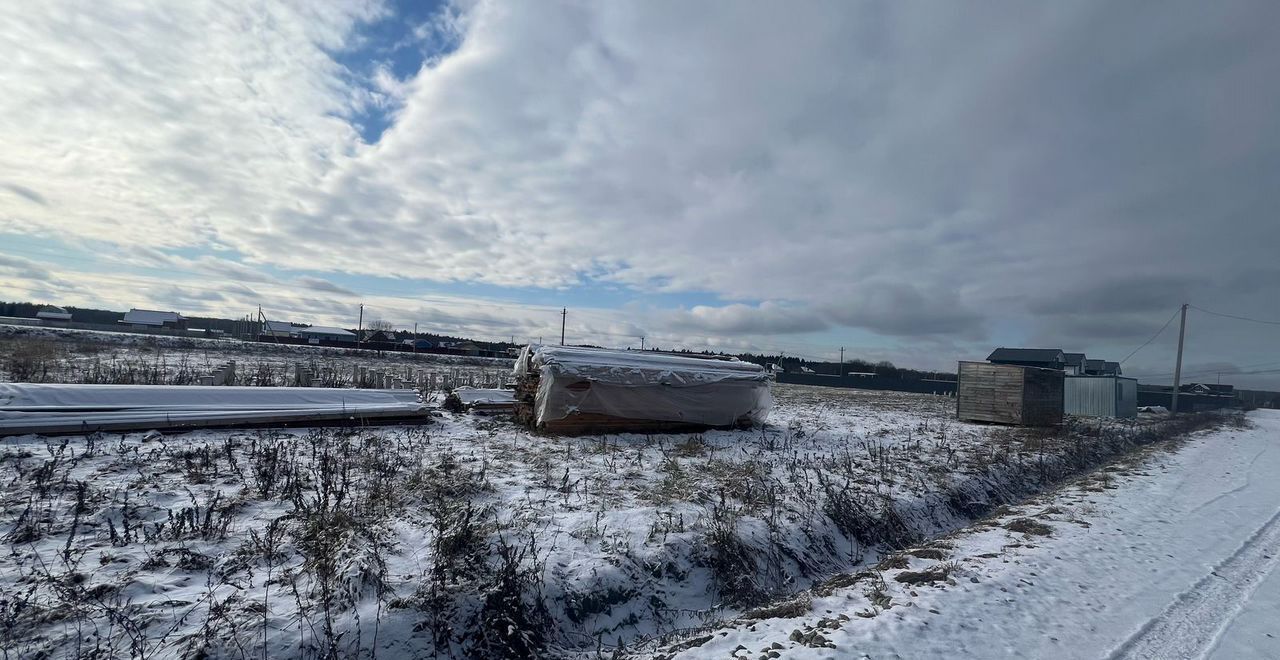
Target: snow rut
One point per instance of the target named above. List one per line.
(1188, 627)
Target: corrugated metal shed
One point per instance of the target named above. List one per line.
(1100, 396)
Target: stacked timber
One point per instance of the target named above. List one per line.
(1009, 394)
(480, 401)
(526, 395)
(574, 391)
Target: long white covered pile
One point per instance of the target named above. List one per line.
(640, 385)
(57, 408)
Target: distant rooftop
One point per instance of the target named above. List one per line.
(150, 317)
(327, 330)
(1045, 355)
(54, 314)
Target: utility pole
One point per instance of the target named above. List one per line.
(642, 343)
(415, 336)
(564, 313)
(360, 326)
(262, 319)
(1177, 369)
(840, 373)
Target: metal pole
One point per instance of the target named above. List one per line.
(1177, 369)
(415, 337)
(840, 373)
(360, 326)
(563, 314)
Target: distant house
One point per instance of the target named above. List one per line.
(466, 347)
(281, 328)
(377, 337)
(1074, 364)
(1043, 358)
(312, 333)
(53, 315)
(1101, 368)
(327, 333)
(150, 318)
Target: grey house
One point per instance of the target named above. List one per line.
(1075, 364)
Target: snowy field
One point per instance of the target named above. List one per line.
(56, 355)
(470, 536)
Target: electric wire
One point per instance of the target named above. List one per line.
(1153, 337)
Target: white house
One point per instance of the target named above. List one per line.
(53, 315)
(326, 333)
(150, 318)
(312, 333)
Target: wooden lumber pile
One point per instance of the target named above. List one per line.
(526, 397)
(481, 401)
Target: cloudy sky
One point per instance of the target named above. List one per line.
(916, 182)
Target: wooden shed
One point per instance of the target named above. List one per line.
(1009, 394)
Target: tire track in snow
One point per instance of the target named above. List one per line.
(1188, 627)
(1248, 481)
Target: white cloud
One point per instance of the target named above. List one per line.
(916, 171)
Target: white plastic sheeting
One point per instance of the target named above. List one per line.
(50, 408)
(645, 385)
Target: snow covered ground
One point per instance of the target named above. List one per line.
(1171, 554)
(472, 536)
(59, 355)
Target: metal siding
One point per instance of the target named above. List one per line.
(1090, 396)
(1126, 398)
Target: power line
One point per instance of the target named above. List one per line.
(1232, 370)
(1153, 337)
(1239, 318)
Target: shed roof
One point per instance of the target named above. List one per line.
(1046, 355)
(281, 327)
(1074, 359)
(150, 317)
(326, 330)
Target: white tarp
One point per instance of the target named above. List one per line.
(60, 408)
(54, 396)
(646, 385)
